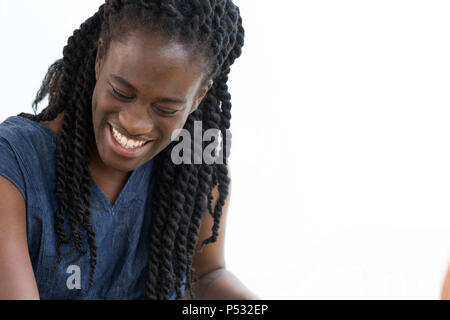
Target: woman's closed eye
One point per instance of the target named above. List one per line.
(165, 111)
(120, 95)
(158, 108)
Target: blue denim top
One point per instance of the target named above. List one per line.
(27, 159)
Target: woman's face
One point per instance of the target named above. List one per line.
(146, 88)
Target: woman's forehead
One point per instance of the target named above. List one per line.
(149, 61)
(151, 50)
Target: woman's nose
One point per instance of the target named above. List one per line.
(137, 121)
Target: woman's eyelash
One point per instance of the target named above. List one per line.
(117, 93)
(166, 112)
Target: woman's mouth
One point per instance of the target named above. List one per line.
(125, 147)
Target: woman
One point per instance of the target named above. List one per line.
(89, 185)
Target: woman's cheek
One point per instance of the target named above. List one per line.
(106, 103)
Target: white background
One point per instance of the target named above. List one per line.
(340, 157)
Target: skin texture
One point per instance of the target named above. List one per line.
(168, 72)
(445, 293)
(16, 273)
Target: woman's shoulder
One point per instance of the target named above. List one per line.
(26, 152)
(55, 125)
(26, 134)
(21, 126)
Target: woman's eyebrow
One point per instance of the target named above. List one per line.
(159, 99)
(170, 100)
(123, 81)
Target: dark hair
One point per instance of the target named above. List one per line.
(182, 193)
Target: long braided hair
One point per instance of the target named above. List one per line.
(182, 193)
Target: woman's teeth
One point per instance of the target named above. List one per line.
(126, 143)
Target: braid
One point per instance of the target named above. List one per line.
(182, 236)
(220, 92)
(161, 204)
(204, 187)
(212, 29)
(190, 176)
(213, 118)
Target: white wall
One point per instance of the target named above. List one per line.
(340, 156)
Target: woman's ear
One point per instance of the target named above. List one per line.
(201, 95)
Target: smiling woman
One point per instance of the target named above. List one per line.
(92, 173)
(143, 96)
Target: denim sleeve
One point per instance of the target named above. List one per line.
(10, 166)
